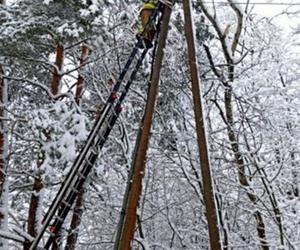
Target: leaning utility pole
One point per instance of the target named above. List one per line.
(127, 222)
(3, 156)
(134, 186)
(208, 192)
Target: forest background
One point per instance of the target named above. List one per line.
(59, 60)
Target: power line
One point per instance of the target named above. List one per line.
(254, 3)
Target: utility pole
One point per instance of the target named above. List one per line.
(3, 156)
(208, 192)
(134, 186)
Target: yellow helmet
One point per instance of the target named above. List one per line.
(150, 5)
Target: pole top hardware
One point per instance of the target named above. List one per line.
(169, 3)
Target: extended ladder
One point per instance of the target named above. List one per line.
(83, 164)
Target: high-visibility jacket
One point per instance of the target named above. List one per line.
(150, 5)
(145, 14)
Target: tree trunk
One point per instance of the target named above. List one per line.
(260, 226)
(33, 220)
(34, 206)
(79, 205)
(241, 168)
(208, 190)
(56, 79)
(127, 228)
(76, 220)
(80, 80)
(55, 89)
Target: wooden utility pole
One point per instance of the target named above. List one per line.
(3, 156)
(134, 189)
(3, 100)
(208, 192)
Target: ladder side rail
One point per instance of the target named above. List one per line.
(97, 125)
(66, 206)
(64, 210)
(64, 187)
(127, 233)
(130, 175)
(54, 206)
(108, 103)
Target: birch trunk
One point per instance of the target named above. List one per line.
(228, 53)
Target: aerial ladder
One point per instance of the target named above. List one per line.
(83, 164)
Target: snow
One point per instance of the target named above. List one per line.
(47, 2)
(266, 117)
(11, 236)
(84, 12)
(22, 233)
(93, 8)
(67, 147)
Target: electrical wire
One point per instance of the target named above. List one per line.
(253, 3)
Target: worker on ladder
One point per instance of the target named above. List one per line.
(145, 14)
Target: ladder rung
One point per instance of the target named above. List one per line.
(88, 162)
(65, 203)
(59, 219)
(74, 190)
(94, 150)
(81, 176)
(101, 137)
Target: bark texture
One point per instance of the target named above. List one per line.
(56, 79)
(32, 221)
(80, 81)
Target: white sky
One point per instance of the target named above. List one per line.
(287, 16)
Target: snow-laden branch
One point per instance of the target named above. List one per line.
(11, 236)
(239, 26)
(43, 87)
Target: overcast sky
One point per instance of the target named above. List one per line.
(280, 10)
